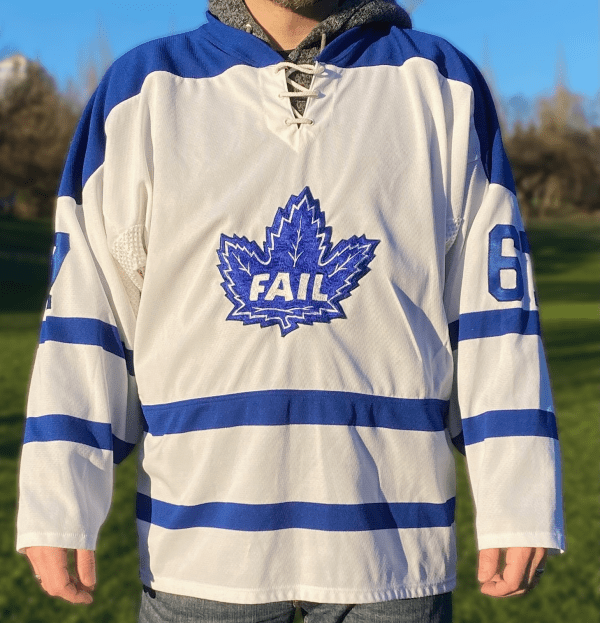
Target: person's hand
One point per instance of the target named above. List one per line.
(51, 568)
(511, 571)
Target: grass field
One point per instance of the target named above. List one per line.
(567, 259)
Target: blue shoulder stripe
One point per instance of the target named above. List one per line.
(374, 44)
(304, 515)
(494, 323)
(509, 423)
(68, 428)
(88, 331)
(214, 47)
(202, 53)
(286, 407)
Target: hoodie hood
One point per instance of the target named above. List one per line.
(349, 14)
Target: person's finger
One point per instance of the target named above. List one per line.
(52, 567)
(518, 561)
(488, 564)
(538, 562)
(51, 564)
(514, 578)
(69, 591)
(85, 563)
(33, 565)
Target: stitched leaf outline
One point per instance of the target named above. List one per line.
(298, 277)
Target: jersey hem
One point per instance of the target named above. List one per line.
(313, 594)
(549, 540)
(67, 540)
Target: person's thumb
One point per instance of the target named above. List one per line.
(488, 564)
(85, 563)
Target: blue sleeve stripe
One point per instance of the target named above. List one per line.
(510, 423)
(494, 323)
(286, 407)
(89, 331)
(304, 515)
(68, 428)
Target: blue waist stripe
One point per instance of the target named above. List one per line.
(68, 428)
(516, 423)
(88, 331)
(285, 407)
(307, 515)
(493, 324)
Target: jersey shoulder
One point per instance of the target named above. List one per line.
(388, 45)
(181, 55)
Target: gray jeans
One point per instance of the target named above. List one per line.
(160, 607)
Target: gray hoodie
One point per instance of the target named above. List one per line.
(349, 13)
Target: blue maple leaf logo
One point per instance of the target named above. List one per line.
(297, 277)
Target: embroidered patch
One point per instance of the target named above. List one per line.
(298, 277)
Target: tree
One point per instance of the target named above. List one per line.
(36, 125)
(92, 63)
(411, 5)
(556, 162)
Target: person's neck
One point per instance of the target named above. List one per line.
(286, 27)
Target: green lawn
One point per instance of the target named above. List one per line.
(566, 257)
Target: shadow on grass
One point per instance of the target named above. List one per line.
(25, 249)
(25, 235)
(560, 249)
(573, 352)
(571, 291)
(566, 334)
(18, 296)
(11, 435)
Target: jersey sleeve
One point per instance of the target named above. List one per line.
(83, 413)
(501, 414)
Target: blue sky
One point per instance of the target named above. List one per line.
(519, 39)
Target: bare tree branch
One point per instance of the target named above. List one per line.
(411, 5)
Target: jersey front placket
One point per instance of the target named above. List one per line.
(298, 93)
(281, 117)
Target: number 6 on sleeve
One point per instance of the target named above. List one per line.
(498, 262)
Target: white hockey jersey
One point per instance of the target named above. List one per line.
(294, 318)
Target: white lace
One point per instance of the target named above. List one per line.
(301, 92)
